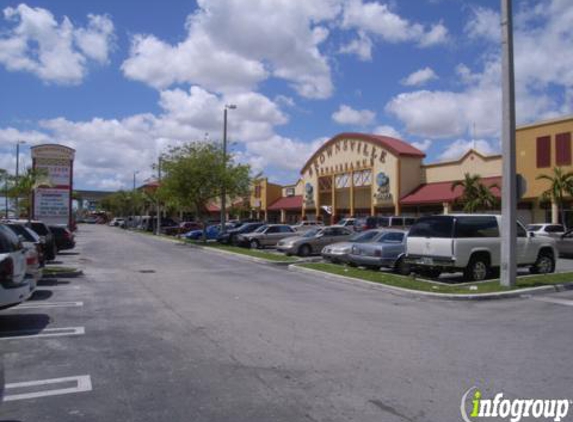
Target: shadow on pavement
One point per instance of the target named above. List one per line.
(27, 324)
(68, 253)
(46, 282)
(41, 295)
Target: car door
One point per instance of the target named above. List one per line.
(392, 245)
(323, 239)
(272, 236)
(565, 243)
(284, 232)
(525, 251)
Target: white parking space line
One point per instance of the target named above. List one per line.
(83, 384)
(554, 300)
(47, 332)
(40, 305)
(58, 288)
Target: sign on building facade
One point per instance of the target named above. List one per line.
(53, 203)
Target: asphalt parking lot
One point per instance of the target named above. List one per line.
(158, 331)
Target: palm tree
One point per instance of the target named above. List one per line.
(27, 184)
(475, 194)
(561, 183)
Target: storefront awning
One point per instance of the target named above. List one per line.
(288, 203)
(440, 192)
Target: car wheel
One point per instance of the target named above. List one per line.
(545, 264)
(255, 244)
(478, 269)
(401, 267)
(304, 250)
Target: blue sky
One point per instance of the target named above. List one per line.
(121, 81)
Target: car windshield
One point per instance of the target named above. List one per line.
(261, 229)
(312, 232)
(534, 227)
(366, 236)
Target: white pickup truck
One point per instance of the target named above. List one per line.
(471, 243)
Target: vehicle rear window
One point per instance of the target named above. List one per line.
(383, 222)
(9, 242)
(364, 236)
(40, 228)
(534, 227)
(554, 228)
(436, 226)
(22, 231)
(467, 227)
(397, 221)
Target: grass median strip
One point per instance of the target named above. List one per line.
(411, 283)
(55, 269)
(256, 253)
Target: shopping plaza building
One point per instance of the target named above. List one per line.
(357, 174)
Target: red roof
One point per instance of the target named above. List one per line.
(395, 146)
(439, 192)
(287, 203)
(213, 208)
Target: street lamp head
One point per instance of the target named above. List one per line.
(231, 106)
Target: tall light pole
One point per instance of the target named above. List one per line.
(223, 192)
(509, 179)
(135, 173)
(158, 211)
(18, 143)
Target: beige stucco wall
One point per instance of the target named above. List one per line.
(473, 163)
(348, 155)
(526, 148)
(410, 174)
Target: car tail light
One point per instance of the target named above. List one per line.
(6, 270)
(32, 260)
(67, 234)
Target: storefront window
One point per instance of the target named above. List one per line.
(363, 178)
(342, 181)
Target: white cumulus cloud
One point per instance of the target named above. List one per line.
(56, 52)
(459, 147)
(420, 77)
(346, 115)
(387, 130)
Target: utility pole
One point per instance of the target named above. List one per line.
(509, 179)
(158, 212)
(223, 191)
(133, 199)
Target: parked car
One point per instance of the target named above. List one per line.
(117, 222)
(387, 250)
(347, 222)
(564, 243)
(32, 244)
(338, 252)
(64, 238)
(14, 287)
(307, 225)
(211, 233)
(230, 236)
(545, 229)
(471, 243)
(44, 232)
(183, 227)
(313, 241)
(267, 235)
(397, 222)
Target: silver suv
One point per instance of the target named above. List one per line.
(471, 243)
(14, 287)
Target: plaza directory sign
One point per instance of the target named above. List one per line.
(53, 201)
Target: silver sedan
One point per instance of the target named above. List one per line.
(387, 251)
(313, 241)
(338, 252)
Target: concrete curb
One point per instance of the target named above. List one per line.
(246, 257)
(522, 293)
(64, 274)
